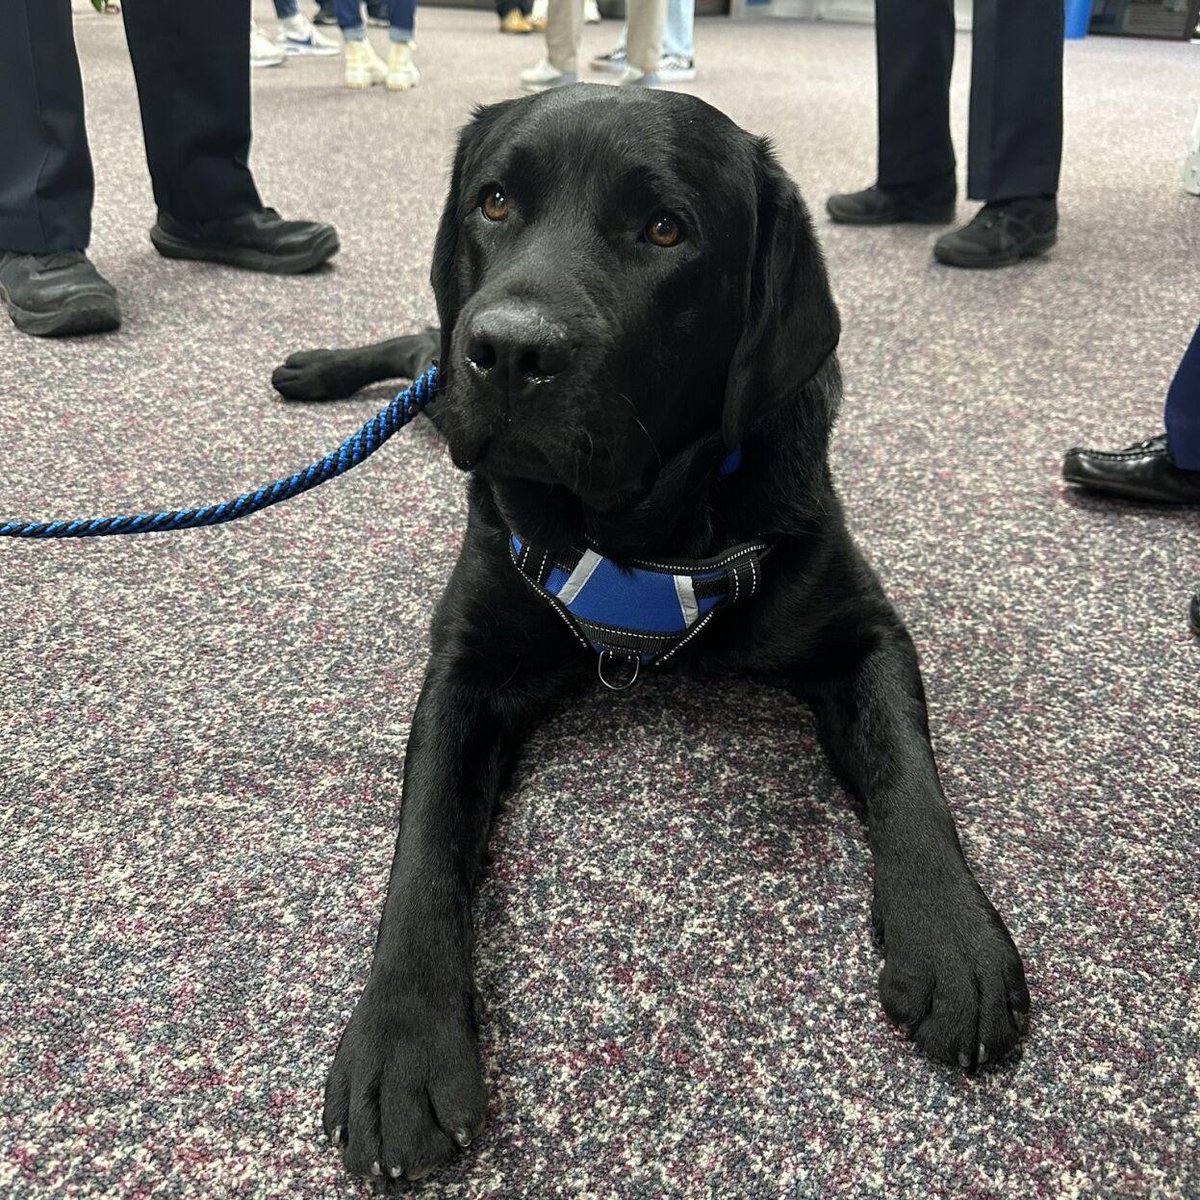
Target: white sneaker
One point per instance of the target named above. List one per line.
(540, 13)
(632, 77)
(263, 51)
(545, 76)
(297, 35)
(363, 66)
(675, 68)
(591, 12)
(402, 72)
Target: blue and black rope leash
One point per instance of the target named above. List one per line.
(357, 447)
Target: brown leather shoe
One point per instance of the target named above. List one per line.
(515, 21)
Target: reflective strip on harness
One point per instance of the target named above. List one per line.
(639, 608)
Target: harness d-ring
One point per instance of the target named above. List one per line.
(628, 658)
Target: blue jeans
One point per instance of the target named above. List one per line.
(1182, 413)
(677, 29)
(402, 16)
(286, 8)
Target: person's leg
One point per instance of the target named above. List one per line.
(286, 8)
(564, 29)
(1016, 116)
(46, 184)
(1015, 143)
(1182, 411)
(402, 71)
(350, 19)
(677, 29)
(191, 66)
(914, 50)
(402, 19)
(47, 284)
(645, 22)
(1162, 469)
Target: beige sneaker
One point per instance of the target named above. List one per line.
(402, 72)
(363, 66)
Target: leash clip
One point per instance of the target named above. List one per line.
(628, 658)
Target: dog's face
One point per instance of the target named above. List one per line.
(618, 273)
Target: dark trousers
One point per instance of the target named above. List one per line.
(192, 66)
(402, 14)
(1182, 415)
(1014, 143)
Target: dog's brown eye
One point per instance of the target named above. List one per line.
(663, 230)
(494, 203)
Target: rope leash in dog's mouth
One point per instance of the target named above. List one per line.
(357, 447)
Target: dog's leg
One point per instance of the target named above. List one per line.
(406, 1090)
(952, 978)
(336, 374)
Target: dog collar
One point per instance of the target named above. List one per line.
(637, 612)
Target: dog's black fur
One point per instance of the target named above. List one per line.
(591, 381)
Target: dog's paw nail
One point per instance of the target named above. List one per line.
(396, 1172)
(964, 1060)
(376, 1169)
(983, 1053)
(462, 1137)
(335, 1138)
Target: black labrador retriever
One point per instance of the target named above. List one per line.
(637, 368)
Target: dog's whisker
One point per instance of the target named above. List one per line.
(642, 427)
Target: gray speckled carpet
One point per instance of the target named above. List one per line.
(203, 732)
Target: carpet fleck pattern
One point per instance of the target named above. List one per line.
(204, 732)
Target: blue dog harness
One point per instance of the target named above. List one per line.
(638, 612)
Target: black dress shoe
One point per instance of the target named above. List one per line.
(1143, 471)
(258, 241)
(1002, 233)
(930, 202)
(56, 295)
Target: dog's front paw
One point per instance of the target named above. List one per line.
(405, 1092)
(318, 375)
(952, 979)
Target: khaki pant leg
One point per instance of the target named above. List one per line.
(564, 27)
(644, 40)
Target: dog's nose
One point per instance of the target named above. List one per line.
(515, 349)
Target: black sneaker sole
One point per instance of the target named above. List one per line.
(322, 249)
(1032, 249)
(927, 214)
(91, 312)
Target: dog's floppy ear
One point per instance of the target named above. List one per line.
(447, 286)
(791, 324)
